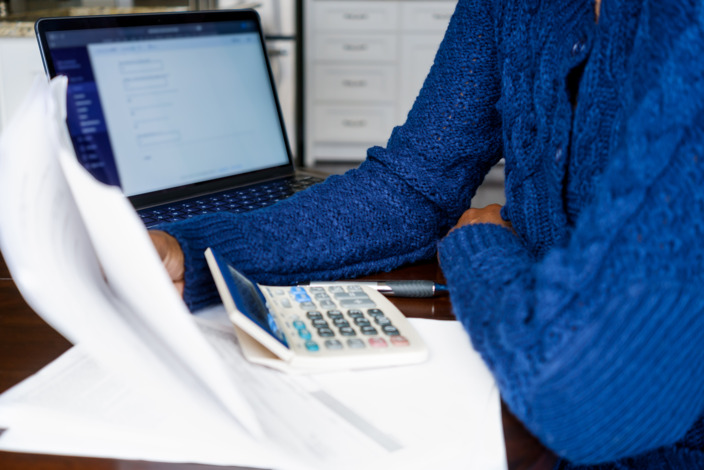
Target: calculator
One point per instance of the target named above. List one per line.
(308, 329)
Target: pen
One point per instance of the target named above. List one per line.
(394, 288)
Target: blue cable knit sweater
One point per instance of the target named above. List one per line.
(591, 316)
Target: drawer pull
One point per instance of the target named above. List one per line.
(442, 16)
(355, 16)
(349, 83)
(354, 47)
(357, 123)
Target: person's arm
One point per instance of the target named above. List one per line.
(597, 347)
(395, 206)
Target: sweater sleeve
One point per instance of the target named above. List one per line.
(597, 347)
(395, 206)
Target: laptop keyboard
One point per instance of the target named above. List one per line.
(235, 200)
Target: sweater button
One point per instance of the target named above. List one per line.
(578, 47)
(558, 154)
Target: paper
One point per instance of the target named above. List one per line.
(443, 414)
(61, 269)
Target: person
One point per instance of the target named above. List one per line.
(583, 293)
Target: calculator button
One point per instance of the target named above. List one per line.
(297, 290)
(333, 314)
(355, 343)
(399, 341)
(359, 295)
(357, 303)
(312, 346)
(307, 305)
(285, 303)
(335, 289)
(382, 320)
(362, 322)
(351, 295)
(319, 322)
(339, 322)
(374, 312)
(377, 342)
(368, 330)
(317, 289)
(299, 325)
(300, 298)
(347, 331)
(313, 314)
(325, 332)
(327, 304)
(321, 296)
(354, 288)
(355, 313)
(390, 330)
(333, 344)
(304, 334)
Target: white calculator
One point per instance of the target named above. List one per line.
(310, 329)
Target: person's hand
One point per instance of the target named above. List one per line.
(490, 214)
(171, 255)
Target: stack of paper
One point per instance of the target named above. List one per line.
(148, 380)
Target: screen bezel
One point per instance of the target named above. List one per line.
(140, 201)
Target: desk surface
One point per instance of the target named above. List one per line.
(27, 344)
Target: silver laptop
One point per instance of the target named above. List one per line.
(178, 109)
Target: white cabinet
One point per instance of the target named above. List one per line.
(20, 63)
(364, 63)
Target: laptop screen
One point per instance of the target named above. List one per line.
(161, 106)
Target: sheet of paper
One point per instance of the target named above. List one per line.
(449, 405)
(74, 407)
(100, 282)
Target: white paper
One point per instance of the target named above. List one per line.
(133, 322)
(443, 414)
(74, 407)
(449, 405)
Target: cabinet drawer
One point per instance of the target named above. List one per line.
(341, 83)
(351, 48)
(426, 16)
(353, 124)
(356, 16)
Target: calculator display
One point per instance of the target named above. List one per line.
(251, 302)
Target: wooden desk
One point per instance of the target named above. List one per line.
(27, 344)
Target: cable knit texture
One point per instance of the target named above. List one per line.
(590, 315)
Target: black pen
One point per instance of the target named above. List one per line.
(416, 288)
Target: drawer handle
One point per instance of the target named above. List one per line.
(354, 47)
(442, 16)
(277, 53)
(357, 123)
(354, 83)
(355, 16)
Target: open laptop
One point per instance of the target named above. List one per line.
(178, 109)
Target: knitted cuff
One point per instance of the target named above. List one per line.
(471, 240)
(199, 291)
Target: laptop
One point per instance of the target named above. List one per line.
(177, 109)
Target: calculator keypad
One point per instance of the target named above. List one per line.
(337, 318)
